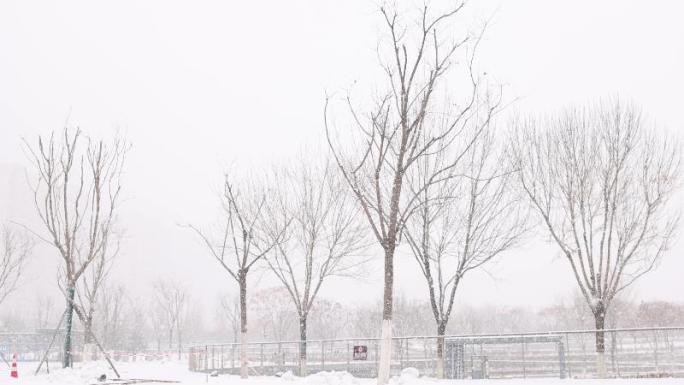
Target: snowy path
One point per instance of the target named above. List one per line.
(175, 371)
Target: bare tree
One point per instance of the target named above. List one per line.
(461, 223)
(16, 248)
(160, 324)
(242, 243)
(92, 281)
(600, 180)
(111, 317)
(274, 317)
(229, 313)
(76, 196)
(324, 237)
(44, 307)
(172, 297)
(389, 137)
(328, 320)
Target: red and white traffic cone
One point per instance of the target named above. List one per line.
(14, 372)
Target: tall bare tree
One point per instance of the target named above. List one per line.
(76, 196)
(172, 297)
(242, 243)
(16, 248)
(600, 179)
(324, 237)
(387, 138)
(461, 223)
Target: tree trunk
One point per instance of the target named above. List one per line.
(600, 318)
(386, 333)
(89, 349)
(67, 360)
(441, 329)
(88, 330)
(302, 346)
(242, 281)
(180, 341)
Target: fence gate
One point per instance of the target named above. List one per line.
(484, 357)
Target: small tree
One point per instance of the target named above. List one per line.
(173, 298)
(15, 249)
(228, 313)
(89, 300)
(76, 196)
(600, 180)
(243, 242)
(44, 307)
(110, 320)
(462, 223)
(323, 238)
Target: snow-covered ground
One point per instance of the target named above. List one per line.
(177, 371)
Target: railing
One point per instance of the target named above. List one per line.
(629, 353)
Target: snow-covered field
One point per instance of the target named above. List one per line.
(177, 371)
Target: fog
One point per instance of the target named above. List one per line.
(197, 89)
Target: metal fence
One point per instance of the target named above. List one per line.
(629, 353)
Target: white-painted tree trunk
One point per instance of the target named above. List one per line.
(243, 355)
(303, 372)
(440, 368)
(385, 352)
(601, 365)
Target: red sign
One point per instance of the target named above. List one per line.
(360, 352)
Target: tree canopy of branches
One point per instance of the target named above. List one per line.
(461, 223)
(76, 195)
(323, 236)
(243, 241)
(391, 134)
(600, 179)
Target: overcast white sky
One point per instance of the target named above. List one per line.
(200, 85)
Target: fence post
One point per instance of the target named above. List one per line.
(280, 357)
(347, 354)
(408, 361)
(523, 359)
(376, 360)
(425, 353)
(401, 353)
(655, 351)
(561, 358)
(567, 354)
(322, 355)
(191, 359)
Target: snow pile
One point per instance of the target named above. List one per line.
(331, 378)
(288, 376)
(86, 374)
(408, 376)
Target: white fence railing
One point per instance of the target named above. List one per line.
(629, 353)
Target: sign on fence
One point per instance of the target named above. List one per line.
(360, 352)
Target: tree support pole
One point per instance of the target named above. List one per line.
(52, 341)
